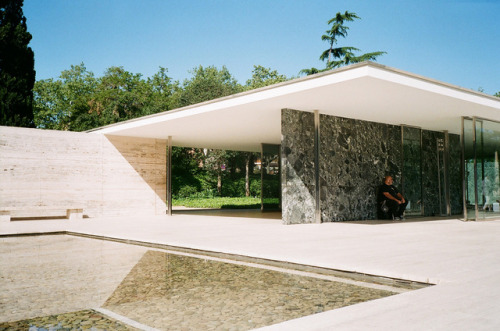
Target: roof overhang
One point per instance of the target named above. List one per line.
(365, 91)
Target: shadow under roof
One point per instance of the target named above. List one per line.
(365, 91)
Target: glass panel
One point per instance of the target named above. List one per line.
(470, 197)
(488, 148)
(412, 170)
(271, 178)
(441, 175)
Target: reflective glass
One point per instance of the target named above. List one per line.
(271, 179)
(412, 170)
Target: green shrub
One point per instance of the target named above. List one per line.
(186, 191)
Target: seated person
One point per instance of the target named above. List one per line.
(393, 199)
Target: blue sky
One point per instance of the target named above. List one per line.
(455, 41)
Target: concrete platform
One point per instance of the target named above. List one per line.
(461, 258)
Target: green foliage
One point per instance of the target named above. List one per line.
(162, 93)
(63, 104)
(311, 71)
(207, 84)
(186, 191)
(78, 101)
(272, 186)
(262, 76)
(225, 203)
(17, 74)
(497, 94)
(339, 56)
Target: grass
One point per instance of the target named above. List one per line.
(225, 203)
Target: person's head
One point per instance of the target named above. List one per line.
(388, 180)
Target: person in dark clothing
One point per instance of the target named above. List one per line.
(393, 199)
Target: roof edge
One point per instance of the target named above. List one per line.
(306, 78)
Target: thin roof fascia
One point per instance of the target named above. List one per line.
(234, 100)
(435, 86)
(346, 73)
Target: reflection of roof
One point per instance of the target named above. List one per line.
(366, 91)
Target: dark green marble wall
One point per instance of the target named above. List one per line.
(297, 166)
(354, 158)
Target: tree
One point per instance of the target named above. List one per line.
(17, 74)
(63, 104)
(262, 76)
(207, 84)
(163, 94)
(311, 71)
(120, 95)
(339, 56)
(497, 94)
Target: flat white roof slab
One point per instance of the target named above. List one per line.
(365, 91)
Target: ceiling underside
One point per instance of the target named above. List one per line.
(367, 92)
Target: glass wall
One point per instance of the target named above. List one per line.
(443, 179)
(412, 169)
(270, 177)
(481, 146)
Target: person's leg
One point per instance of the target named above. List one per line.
(393, 208)
(402, 208)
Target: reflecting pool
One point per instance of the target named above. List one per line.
(61, 281)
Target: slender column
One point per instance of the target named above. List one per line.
(169, 177)
(464, 172)
(446, 161)
(261, 177)
(317, 213)
(474, 149)
(440, 148)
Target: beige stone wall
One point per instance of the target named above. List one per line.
(107, 176)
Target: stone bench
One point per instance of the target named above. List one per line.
(72, 213)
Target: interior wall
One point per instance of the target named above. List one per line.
(106, 176)
(354, 158)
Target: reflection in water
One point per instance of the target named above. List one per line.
(66, 282)
(173, 292)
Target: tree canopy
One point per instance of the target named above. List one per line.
(17, 74)
(79, 101)
(262, 76)
(339, 56)
(207, 84)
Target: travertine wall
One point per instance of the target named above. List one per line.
(354, 157)
(107, 176)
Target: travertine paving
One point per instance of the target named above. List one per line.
(461, 258)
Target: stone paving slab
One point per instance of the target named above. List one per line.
(462, 258)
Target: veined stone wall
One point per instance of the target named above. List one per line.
(107, 176)
(354, 158)
(297, 166)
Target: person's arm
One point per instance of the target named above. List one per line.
(400, 196)
(390, 197)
